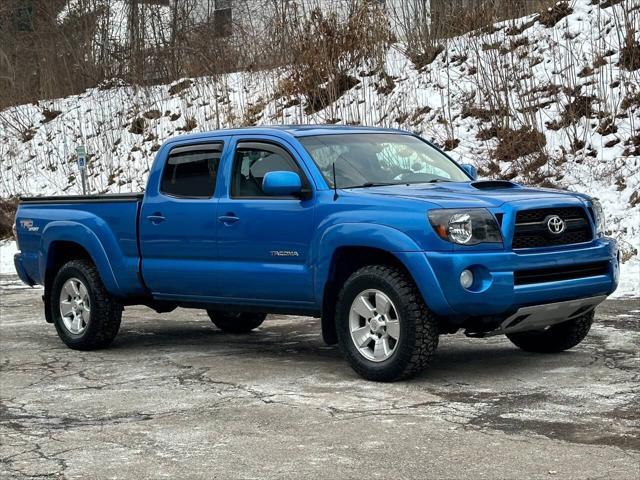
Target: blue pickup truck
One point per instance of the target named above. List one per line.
(375, 231)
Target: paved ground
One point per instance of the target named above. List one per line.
(176, 397)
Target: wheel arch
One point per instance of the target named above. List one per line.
(344, 262)
(61, 252)
(65, 241)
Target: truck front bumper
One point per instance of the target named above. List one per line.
(496, 291)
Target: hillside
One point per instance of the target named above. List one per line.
(552, 99)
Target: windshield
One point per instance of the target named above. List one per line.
(371, 159)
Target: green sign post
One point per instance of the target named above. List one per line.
(81, 153)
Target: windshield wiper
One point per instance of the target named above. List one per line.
(386, 184)
(375, 184)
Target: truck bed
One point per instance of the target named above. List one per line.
(107, 225)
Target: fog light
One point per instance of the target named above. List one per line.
(466, 278)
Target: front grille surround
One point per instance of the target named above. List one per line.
(531, 230)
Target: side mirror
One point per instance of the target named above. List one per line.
(282, 183)
(470, 170)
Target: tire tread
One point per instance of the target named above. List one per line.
(423, 346)
(557, 338)
(244, 323)
(106, 313)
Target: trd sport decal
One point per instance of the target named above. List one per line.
(27, 224)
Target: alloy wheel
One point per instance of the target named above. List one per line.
(374, 324)
(75, 306)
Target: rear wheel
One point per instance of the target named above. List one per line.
(236, 322)
(385, 330)
(85, 315)
(556, 338)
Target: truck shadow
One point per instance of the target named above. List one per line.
(457, 359)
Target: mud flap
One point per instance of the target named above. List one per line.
(46, 299)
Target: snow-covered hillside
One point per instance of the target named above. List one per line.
(562, 81)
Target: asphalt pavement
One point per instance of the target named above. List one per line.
(176, 397)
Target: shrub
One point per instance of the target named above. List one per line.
(554, 14)
(630, 52)
(8, 209)
(137, 126)
(324, 48)
(513, 144)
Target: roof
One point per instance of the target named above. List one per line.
(306, 130)
(293, 130)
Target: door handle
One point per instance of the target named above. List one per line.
(228, 219)
(156, 218)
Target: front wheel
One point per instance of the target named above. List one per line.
(385, 330)
(556, 338)
(236, 322)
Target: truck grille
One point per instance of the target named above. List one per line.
(554, 274)
(531, 229)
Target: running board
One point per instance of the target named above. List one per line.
(538, 317)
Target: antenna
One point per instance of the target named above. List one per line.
(335, 185)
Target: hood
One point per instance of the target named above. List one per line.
(486, 194)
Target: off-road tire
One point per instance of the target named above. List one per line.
(556, 338)
(236, 322)
(418, 325)
(106, 312)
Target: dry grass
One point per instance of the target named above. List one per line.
(554, 14)
(630, 53)
(324, 49)
(8, 209)
(138, 125)
(513, 144)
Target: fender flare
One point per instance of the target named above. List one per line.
(357, 235)
(382, 237)
(70, 231)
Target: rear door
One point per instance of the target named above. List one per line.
(178, 223)
(263, 240)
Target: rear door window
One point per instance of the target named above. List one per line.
(191, 172)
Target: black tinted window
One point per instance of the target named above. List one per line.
(252, 162)
(191, 172)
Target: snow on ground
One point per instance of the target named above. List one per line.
(9, 279)
(629, 279)
(548, 67)
(7, 249)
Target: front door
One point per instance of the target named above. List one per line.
(178, 224)
(264, 241)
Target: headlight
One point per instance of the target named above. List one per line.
(598, 213)
(466, 227)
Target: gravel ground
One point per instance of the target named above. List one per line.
(174, 396)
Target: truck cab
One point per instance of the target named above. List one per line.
(376, 231)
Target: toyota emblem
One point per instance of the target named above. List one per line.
(555, 224)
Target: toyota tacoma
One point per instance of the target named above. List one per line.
(375, 231)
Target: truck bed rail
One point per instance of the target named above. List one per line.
(105, 198)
